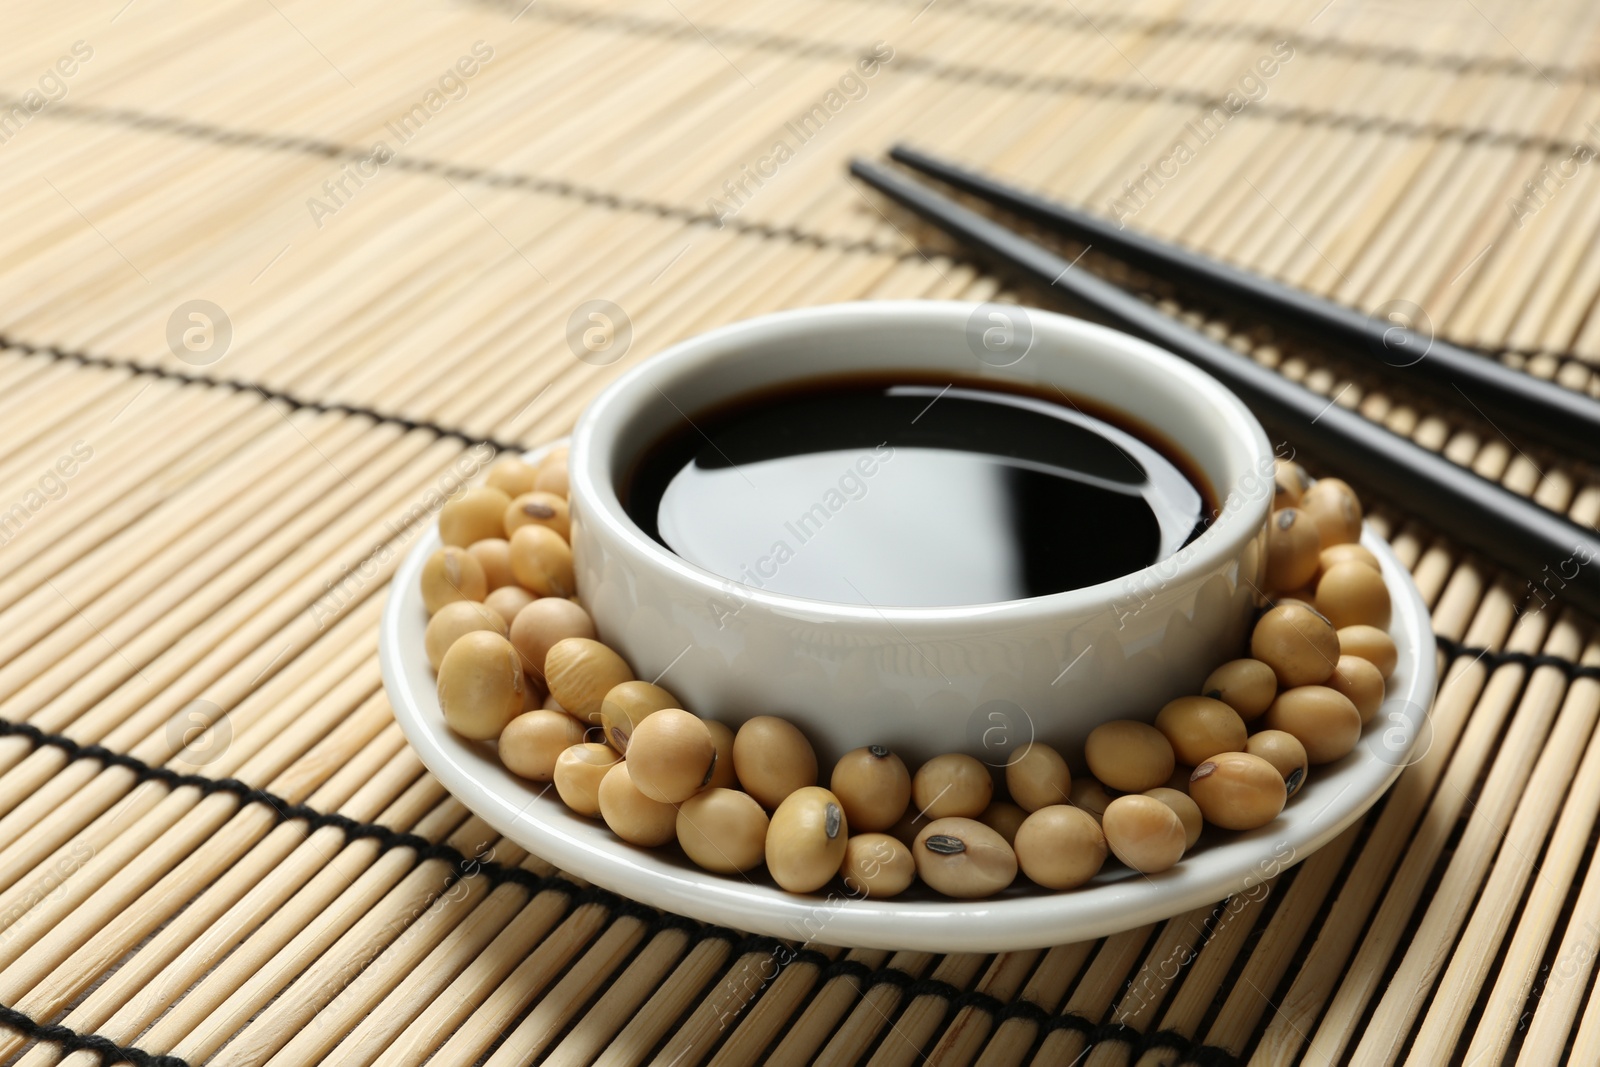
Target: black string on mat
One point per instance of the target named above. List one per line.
(1493, 658)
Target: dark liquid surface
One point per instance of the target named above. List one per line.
(901, 493)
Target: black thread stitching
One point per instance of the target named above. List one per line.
(72, 1041)
(1494, 658)
(294, 402)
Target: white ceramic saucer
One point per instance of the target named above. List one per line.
(1024, 917)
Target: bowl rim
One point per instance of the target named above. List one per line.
(596, 501)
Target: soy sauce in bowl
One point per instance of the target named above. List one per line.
(894, 491)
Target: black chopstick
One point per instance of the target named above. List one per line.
(1480, 514)
(1568, 422)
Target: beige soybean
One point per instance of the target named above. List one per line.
(580, 672)
(1349, 553)
(1353, 594)
(1238, 791)
(723, 830)
(874, 787)
(1361, 682)
(494, 556)
(722, 774)
(454, 620)
(1129, 756)
(1286, 754)
(474, 514)
(877, 865)
(954, 784)
(1298, 644)
(625, 706)
(452, 574)
(578, 773)
(532, 742)
(541, 624)
(1091, 796)
(670, 754)
(1335, 509)
(632, 816)
(507, 601)
(551, 475)
(772, 759)
(512, 475)
(541, 559)
(1245, 685)
(1322, 719)
(963, 858)
(1372, 645)
(1143, 833)
(1292, 550)
(1060, 847)
(1198, 728)
(1038, 777)
(539, 509)
(1003, 817)
(1289, 483)
(806, 841)
(1184, 807)
(481, 685)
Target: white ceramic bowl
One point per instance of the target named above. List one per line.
(980, 678)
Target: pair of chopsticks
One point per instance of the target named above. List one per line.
(1559, 559)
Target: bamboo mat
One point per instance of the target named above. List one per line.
(216, 847)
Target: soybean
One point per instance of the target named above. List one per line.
(1143, 833)
(1361, 682)
(806, 841)
(481, 685)
(874, 787)
(773, 759)
(1372, 645)
(1245, 685)
(1298, 644)
(722, 775)
(670, 754)
(551, 475)
(532, 742)
(473, 515)
(578, 774)
(1038, 777)
(544, 622)
(1129, 756)
(507, 601)
(1335, 509)
(1289, 483)
(580, 672)
(626, 705)
(1238, 791)
(1349, 553)
(512, 475)
(1286, 754)
(1003, 817)
(494, 556)
(1322, 719)
(877, 865)
(723, 830)
(1091, 796)
(452, 574)
(1200, 727)
(453, 621)
(539, 509)
(1060, 847)
(542, 561)
(963, 858)
(1184, 807)
(1292, 549)
(1353, 594)
(954, 784)
(632, 816)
